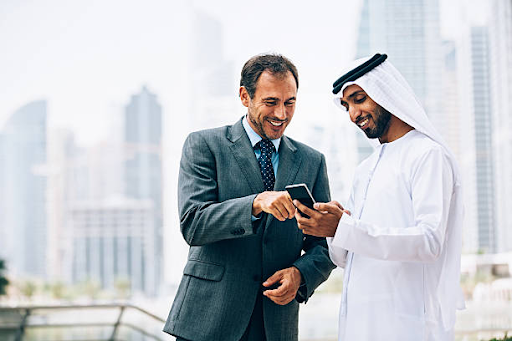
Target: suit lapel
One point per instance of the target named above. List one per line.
(244, 155)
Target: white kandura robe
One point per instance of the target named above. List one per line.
(396, 241)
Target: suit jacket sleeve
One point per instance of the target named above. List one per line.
(315, 264)
(203, 219)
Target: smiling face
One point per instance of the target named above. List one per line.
(373, 119)
(273, 104)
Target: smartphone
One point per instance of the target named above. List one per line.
(301, 193)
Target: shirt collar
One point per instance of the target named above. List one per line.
(254, 137)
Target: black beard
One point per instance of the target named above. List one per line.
(382, 117)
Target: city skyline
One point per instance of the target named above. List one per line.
(84, 50)
(213, 36)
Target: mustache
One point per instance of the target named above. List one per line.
(277, 119)
(361, 118)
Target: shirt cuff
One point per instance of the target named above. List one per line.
(345, 224)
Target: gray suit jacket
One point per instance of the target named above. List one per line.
(230, 256)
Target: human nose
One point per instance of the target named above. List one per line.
(280, 111)
(354, 113)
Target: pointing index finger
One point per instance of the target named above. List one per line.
(303, 208)
(330, 207)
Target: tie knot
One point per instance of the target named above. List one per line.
(266, 146)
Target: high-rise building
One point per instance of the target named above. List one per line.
(77, 176)
(212, 75)
(113, 240)
(143, 165)
(24, 191)
(476, 132)
(450, 129)
(501, 75)
(409, 33)
(3, 200)
(61, 149)
(483, 138)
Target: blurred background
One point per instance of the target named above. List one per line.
(97, 97)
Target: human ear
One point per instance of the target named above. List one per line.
(244, 96)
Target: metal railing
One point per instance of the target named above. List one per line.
(16, 321)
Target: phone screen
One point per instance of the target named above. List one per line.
(301, 193)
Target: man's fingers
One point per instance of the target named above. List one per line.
(272, 279)
(303, 208)
(277, 292)
(281, 300)
(280, 205)
(334, 202)
(277, 212)
(329, 207)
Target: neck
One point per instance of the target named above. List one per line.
(397, 129)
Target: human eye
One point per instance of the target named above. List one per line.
(270, 103)
(344, 104)
(360, 99)
(289, 103)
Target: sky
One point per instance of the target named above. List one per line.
(86, 58)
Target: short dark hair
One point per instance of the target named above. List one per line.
(274, 63)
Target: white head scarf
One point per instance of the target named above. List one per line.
(388, 88)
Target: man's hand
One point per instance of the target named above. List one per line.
(279, 204)
(323, 220)
(289, 282)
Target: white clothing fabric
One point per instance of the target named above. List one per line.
(401, 246)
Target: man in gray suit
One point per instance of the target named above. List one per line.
(249, 265)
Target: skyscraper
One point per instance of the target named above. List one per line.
(212, 75)
(24, 191)
(501, 77)
(409, 32)
(480, 69)
(113, 240)
(143, 164)
(476, 131)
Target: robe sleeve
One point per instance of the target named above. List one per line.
(431, 192)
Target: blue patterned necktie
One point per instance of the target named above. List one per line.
(267, 170)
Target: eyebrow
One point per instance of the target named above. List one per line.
(277, 99)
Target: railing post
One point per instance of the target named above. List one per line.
(21, 329)
(116, 325)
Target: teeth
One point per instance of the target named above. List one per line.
(362, 123)
(277, 124)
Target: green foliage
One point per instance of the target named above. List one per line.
(3, 281)
(122, 288)
(505, 338)
(57, 290)
(90, 288)
(28, 288)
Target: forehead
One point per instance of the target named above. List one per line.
(276, 82)
(351, 89)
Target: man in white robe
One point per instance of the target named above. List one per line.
(399, 236)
